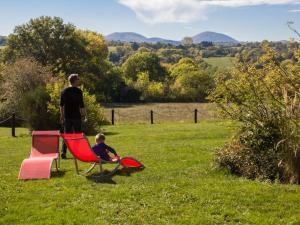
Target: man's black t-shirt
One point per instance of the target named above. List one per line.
(72, 100)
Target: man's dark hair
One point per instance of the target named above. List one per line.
(73, 77)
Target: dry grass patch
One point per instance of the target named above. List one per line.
(163, 112)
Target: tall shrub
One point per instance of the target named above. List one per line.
(264, 98)
(34, 110)
(18, 79)
(95, 114)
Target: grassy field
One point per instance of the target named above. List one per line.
(162, 112)
(180, 184)
(222, 62)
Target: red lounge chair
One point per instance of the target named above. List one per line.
(80, 148)
(45, 149)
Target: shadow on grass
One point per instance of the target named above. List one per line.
(68, 158)
(127, 171)
(23, 135)
(101, 178)
(59, 173)
(110, 133)
(106, 176)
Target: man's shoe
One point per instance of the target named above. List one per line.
(63, 156)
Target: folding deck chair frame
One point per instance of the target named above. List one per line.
(44, 150)
(93, 158)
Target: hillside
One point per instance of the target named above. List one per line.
(201, 37)
(135, 37)
(126, 37)
(213, 37)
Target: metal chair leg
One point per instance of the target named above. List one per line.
(101, 168)
(56, 164)
(91, 168)
(76, 166)
(115, 170)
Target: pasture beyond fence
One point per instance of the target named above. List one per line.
(142, 113)
(151, 116)
(152, 113)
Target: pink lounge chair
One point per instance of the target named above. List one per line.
(80, 148)
(44, 150)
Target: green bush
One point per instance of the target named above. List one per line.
(265, 100)
(144, 61)
(191, 82)
(150, 90)
(254, 153)
(95, 114)
(34, 109)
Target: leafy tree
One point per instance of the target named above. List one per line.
(184, 66)
(191, 82)
(150, 90)
(135, 46)
(144, 49)
(110, 85)
(144, 62)
(187, 41)
(170, 55)
(61, 46)
(18, 79)
(120, 53)
(95, 49)
(49, 41)
(193, 86)
(99, 76)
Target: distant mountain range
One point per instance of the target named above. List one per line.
(214, 37)
(205, 36)
(134, 37)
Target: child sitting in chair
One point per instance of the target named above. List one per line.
(101, 149)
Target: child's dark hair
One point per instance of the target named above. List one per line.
(100, 136)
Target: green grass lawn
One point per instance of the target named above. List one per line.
(222, 62)
(180, 184)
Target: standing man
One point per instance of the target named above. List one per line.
(71, 108)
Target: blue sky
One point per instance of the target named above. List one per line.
(244, 20)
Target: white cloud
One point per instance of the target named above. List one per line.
(294, 11)
(184, 11)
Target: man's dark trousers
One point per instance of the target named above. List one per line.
(71, 126)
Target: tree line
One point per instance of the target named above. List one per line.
(145, 75)
(122, 72)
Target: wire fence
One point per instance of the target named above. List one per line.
(5, 120)
(12, 121)
(159, 114)
(128, 114)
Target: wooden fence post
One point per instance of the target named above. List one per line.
(113, 117)
(13, 125)
(151, 116)
(196, 116)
